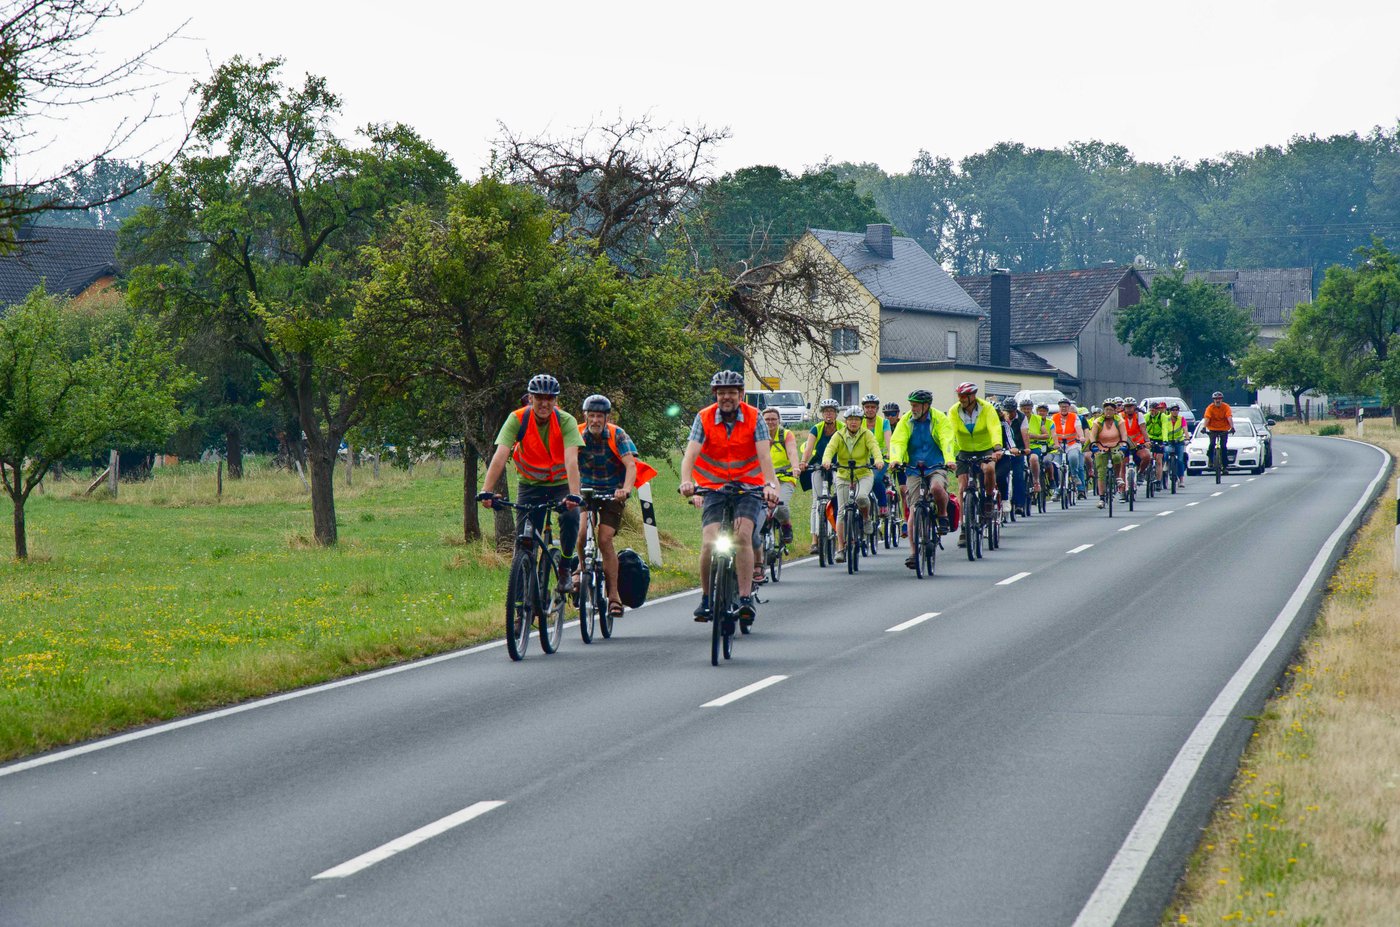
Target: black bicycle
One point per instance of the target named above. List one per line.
(1130, 479)
(724, 572)
(826, 536)
(534, 569)
(592, 591)
(973, 498)
(895, 521)
(1064, 479)
(1220, 458)
(1108, 486)
(926, 539)
(852, 522)
(771, 545)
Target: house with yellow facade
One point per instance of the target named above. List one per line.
(915, 328)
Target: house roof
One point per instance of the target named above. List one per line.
(66, 260)
(1270, 293)
(1052, 305)
(911, 280)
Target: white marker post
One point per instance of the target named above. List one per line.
(649, 529)
(1397, 526)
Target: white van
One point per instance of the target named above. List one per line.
(790, 403)
(1051, 397)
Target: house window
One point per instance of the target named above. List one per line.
(952, 346)
(845, 393)
(845, 341)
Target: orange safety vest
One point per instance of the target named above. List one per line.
(1133, 429)
(645, 471)
(534, 461)
(725, 457)
(1065, 428)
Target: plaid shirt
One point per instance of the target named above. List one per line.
(597, 467)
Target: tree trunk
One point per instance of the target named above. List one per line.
(323, 496)
(505, 521)
(1298, 405)
(21, 540)
(471, 512)
(233, 450)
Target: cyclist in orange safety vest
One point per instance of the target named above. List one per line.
(729, 443)
(543, 441)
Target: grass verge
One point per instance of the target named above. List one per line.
(165, 600)
(1309, 834)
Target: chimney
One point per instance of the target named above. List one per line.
(1000, 299)
(879, 239)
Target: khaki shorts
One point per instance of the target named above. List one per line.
(915, 482)
(611, 513)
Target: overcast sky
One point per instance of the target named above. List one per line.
(798, 82)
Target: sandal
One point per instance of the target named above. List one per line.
(614, 609)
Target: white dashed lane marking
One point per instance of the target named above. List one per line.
(1128, 527)
(393, 847)
(1080, 549)
(1011, 579)
(913, 621)
(741, 693)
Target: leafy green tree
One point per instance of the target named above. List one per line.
(492, 292)
(752, 216)
(1192, 331)
(256, 232)
(75, 380)
(1293, 363)
(115, 187)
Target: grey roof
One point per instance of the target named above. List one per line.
(1270, 293)
(910, 280)
(66, 260)
(1052, 305)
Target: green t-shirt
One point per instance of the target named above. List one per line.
(510, 434)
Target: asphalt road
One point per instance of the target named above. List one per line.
(981, 766)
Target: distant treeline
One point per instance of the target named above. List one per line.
(1308, 203)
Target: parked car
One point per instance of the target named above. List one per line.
(1244, 450)
(1262, 425)
(1051, 397)
(792, 407)
(1187, 415)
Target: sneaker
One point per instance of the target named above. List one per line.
(813, 551)
(1100, 503)
(911, 562)
(962, 539)
(944, 526)
(567, 583)
(702, 611)
(747, 610)
(903, 530)
(787, 534)
(840, 556)
(1082, 495)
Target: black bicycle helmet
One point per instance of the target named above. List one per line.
(891, 408)
(1008, 405)
(727, 378)
(921, 395)
(542, 384)
(597, 403)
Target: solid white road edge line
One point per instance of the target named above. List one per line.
(1080, 549)
(378, 855)
(143, 733)
(1106, 904)
(1130, 527)
(903, 626)
(1012, 579)
(740, 693)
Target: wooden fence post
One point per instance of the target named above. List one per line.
(113, 471)
(219, 478)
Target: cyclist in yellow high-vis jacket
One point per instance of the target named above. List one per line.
(977, 432)
(852, 445)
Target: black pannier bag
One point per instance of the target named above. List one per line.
(633, 578)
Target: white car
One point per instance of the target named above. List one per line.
(791, 405)
(1244, 449)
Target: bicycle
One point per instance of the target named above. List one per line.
(528, 597)
(1221, 456)
(925, 540)
(592, 594)
(826, 538)
(1130, 479)
(1108, 491)
(724, 576)
(874, 526)
(852, 523)
(1064, 479)
(1043, 486)
(771, 545)
(972, 498)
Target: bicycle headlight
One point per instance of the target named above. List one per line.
(724, 544)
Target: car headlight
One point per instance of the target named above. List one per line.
(724, 544)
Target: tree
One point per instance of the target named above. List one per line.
(1193, 332)
(115, 189)
(1293, 363)
(491, 292)
(257, 232)
(49, 64)
(74, 380)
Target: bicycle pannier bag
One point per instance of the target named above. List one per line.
(633, 578)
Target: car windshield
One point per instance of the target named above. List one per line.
(1254, 415)
(1051, 397)
(779, 398)
(1244, 428)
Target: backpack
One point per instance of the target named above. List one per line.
(633, 578)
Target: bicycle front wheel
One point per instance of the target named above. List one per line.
(600, 599)
(550, 605)
(520, 604)
(589, 613)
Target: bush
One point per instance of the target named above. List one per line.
(1328, 430)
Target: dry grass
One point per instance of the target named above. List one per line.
(1310, 834)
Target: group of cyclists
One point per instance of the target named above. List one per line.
(743, 467)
